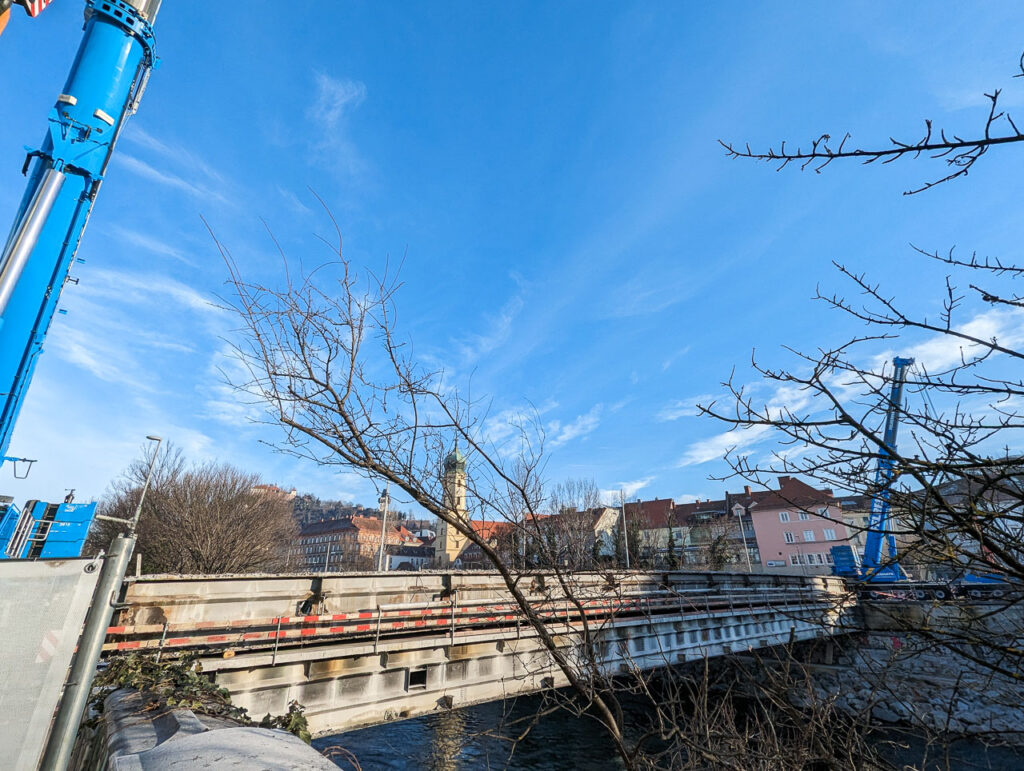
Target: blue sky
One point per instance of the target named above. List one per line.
(574, 236)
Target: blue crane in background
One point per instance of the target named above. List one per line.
(875, 565)
(106, 83)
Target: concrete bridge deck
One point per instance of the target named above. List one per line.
(359, 649)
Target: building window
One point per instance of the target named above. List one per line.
(789, 537)
(804, 515)
(794, 559)
(830, 534)
(783, 516)
(828, 557)
(809, 536)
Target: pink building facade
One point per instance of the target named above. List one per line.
(796, 526)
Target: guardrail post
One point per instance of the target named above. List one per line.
(277, 639)
(160, 647)
(61, 741)
(453, 605)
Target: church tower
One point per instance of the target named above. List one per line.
(450, 542)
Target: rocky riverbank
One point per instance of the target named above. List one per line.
(904, 678)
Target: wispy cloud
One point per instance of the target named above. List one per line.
(333, 102)
(110, 339)
(141, 288)
(612, 495)
(499, 327)
(737, 440)
(943, 351)
(178, 154)
(580, 427)
(334, 99)
(683, 408)
(228, 400)
(499, 428)
(641, 296)
(779, 402)
(672, 358)
(151, 244)
(168, 179)
(293, 201)
(935, 353)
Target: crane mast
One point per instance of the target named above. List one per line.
(877, 565)
(106, 82)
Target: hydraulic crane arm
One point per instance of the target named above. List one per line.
(104, 87)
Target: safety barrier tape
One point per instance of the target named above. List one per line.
(326, 626)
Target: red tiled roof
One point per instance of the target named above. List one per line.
(488, 530)
(652, 515)
(792, 492)
(368, 525)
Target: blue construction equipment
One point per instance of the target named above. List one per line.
(103, 89)
(45, 530)
(875, 565)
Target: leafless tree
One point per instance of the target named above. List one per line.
(205, 518)
(958, 496)
(323, 355)
(958, 153)
(564, 536)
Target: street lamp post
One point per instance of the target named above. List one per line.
(743, 534)
(133, 523)
(149, 475)
(384, 500)
(625, 530)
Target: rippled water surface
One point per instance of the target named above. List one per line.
(466, 740)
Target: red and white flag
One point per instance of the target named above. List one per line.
(33, 7)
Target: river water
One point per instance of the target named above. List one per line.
(470, 739)
(477, 738)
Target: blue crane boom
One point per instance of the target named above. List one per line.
(106, 82)
(877, 565)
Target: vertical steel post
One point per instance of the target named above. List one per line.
(149, 476)
(743, 533)
(385, 499)
(625, 530)
(61, 741)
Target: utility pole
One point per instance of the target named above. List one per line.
(625, 531)
(384, 500)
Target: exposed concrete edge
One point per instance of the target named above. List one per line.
(162, 739)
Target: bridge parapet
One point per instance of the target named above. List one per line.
(190, 599)
(365, 648)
